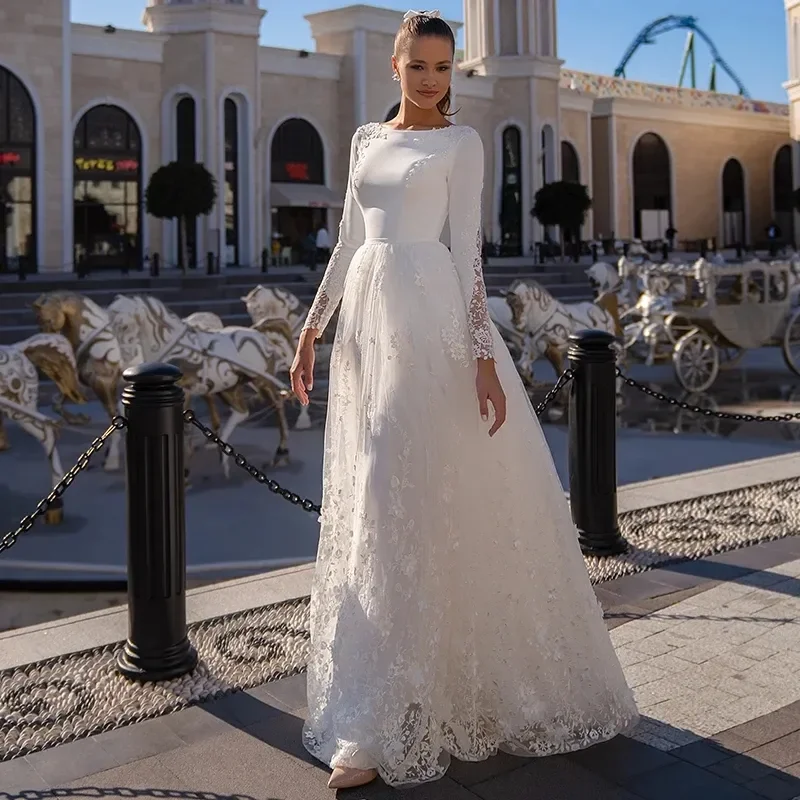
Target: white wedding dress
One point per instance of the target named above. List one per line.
(451, 612)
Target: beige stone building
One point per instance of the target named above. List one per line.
(88, 113)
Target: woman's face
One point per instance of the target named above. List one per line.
(425, 67)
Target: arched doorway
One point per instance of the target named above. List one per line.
(782, 187)
(17, 175)
(108, 189)
(570, 164)
(233, 195)
(548, 155)
(393, 112)
(734, 226)
(511, 193)
(652, 188)
(300, 199)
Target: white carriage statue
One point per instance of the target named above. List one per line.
(705, 317)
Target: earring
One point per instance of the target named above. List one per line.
(395, 76)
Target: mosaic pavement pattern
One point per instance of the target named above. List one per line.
(79, 695)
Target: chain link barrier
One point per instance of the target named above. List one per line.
(189, 417)
(10, 539)
(706, 412)
(254, 472)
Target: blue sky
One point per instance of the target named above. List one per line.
(592, 34)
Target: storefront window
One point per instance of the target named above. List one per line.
(108, 189)
(17, 176)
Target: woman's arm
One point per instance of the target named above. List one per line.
(465, 184)
(351, 237)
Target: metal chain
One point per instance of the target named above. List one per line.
(254, 472)
(563, 380)
(707, 412)
(10, 539)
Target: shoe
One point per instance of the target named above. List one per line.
(349, 777)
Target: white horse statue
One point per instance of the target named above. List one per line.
(19, 388)
(212, 362)
(548, 322)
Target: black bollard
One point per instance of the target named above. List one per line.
(209, 263)
(593, 443)
(264, 260)
(155, 265)
(21, 274)
(158, 647)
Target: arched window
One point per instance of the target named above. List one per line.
(186, 151)
(108, 189)
(298, 164)
(652, 188)
(297, 153)
(232, 193)
(782, 186)
(511, 192)
(393, 112)
(734, 229)
(17, 175)
(570, 165)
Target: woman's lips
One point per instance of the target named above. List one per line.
(426, 93)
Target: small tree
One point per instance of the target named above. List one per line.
(563, 204)
(181, 190)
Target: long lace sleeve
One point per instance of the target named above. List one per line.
(465, 185)
(351, 237)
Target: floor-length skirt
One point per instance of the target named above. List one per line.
(451, 611)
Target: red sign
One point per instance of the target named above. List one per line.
(297, 170)
(106, 164)
(9, 159)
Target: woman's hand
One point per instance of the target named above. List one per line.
(490, 391)
(302, 370)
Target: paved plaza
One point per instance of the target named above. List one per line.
(711, 648)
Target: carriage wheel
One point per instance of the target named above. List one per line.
(791, 343)
(696, 361)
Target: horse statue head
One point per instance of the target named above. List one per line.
(524, 297)
(603, 278)
(264, 302)
(53, 355)
(123, 315)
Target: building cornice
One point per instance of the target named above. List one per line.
(363, 17)
(709, 117)
(123, 44)
(203, 18)
(282, 61)
(475, 86)
(791, 4)
(516, 67)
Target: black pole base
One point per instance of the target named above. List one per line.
(601, 545)
(156, 666)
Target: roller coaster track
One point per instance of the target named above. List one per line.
(650, 32)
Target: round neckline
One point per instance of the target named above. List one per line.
(415, 130)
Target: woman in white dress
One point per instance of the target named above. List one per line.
(451, 613)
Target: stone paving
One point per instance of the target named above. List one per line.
(711, 647)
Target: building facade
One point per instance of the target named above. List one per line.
(88, 113)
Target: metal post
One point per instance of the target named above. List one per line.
(593, 443)
(264, 260)
(209, 263)
(155, 265)
(158, 647)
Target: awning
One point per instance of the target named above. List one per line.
(303, 195)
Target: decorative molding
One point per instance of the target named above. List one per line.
(122, 45)
(200, 18)
(281, 61)
(709, 117)
(368, 18)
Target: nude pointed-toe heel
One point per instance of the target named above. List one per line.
(349, 778)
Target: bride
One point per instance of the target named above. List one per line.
(451, 613)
